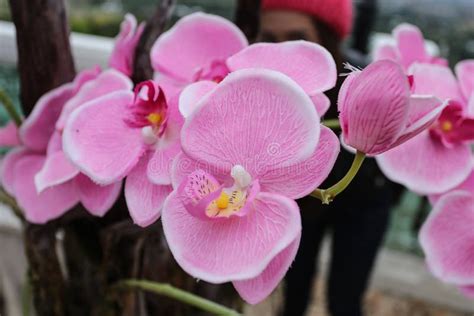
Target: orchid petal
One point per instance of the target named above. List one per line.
(7, 174)
(303, 178)
(192, 94)
(447, 238)
(123, 54)
(435, 80)
(426, 166)
(238, 248)
(465, 74)
(37, 129)
(467, 185)
(48, 205)
(9, 135)
(255, 290)
(257, 118)
(411, 44)
(57, 169)
(98, 140)
(107, 82)
(97, 199)
(191, 44)
(315, 69)
(144, 199)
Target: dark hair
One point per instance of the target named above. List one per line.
(332, 43)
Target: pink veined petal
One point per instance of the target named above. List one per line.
(422, 113)
(55, 143)
(95, 198)
(192, 94)
(255, 290)
(470, 107)
(435, 80)
(108, 81)
(239, 248)
(183, 165)
(37, 129)
(299, 180)
(425, 166)
(321, 103)
(159, 166)
(315, 69)
(191, 44)
(468, 291)
(125, 43)
(257, 118)
(345, 90)
(411, 44)
(144, 199)
(57, 169)
(48, 205)
(7, 174)
(9, 135)
(467, 185)
(447, 238)
(374, 107)
(98, 140)
(465, 74)
(386, 51)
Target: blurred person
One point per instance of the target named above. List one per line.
(358, 218)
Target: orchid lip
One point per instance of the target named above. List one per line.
(215, 71)
(149, 111)
(205, 198)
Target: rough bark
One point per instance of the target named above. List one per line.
(154, 27)
(44, 55)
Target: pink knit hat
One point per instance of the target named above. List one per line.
(337, 14)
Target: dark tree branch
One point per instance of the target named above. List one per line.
(44, 55)
(154, 27)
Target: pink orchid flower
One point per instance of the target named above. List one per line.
(447, 239)
(252, 145)
(9, 135)
(39, 163)
(194, 49)
(378, 111)
(123, 54)
(410, 48)
(128, 135)
(207, 60)
(440, 158)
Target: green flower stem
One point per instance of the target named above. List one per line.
(328, 195)
(332, 124)
(6, 199)
(177, 294)
(12, 112)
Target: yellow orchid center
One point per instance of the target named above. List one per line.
(222, 201)
(154, 118)
(446, 126)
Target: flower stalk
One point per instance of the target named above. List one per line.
(332, 123)
(12, 112)
(177, 294)
(328, 195)
(8, 200)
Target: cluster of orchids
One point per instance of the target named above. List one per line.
(228, 135)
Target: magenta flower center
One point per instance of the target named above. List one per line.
(202, 194)
(215, 71)
(453, 127)
(149, 111)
